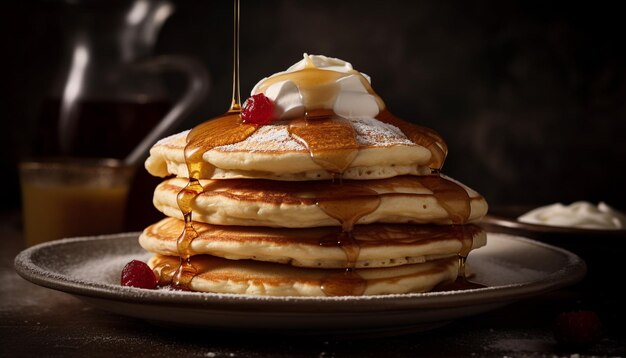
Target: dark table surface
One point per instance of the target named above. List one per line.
(40, 322)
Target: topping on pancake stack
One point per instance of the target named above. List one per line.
(314, 188)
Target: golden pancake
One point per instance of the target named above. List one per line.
(220, 275)
(314, 189)
(272, 153)
(403, 199)
(325, 247)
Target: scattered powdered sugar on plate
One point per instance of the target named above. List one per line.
(105, 270)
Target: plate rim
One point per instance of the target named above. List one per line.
(28, 269)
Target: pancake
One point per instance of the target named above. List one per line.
(377, 245)
(314, 189)
(272, 153)
(403, 199)
(220, 275)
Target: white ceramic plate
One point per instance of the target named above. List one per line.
(512, 267)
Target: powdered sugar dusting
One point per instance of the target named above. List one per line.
(275, 137)
(372, 132)
(269, 138)
(105, 269)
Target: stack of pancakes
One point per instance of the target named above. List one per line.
(309, 206)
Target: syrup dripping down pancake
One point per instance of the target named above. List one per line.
(379, 245)
(404, 199)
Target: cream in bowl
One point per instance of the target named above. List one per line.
(580, 214)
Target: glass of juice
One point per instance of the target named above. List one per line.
(73, 197)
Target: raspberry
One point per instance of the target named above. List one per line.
(137, 274)
(577, 329)
(258, 109)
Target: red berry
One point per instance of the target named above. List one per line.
(258, 109)
(577, 329)
(137, 274)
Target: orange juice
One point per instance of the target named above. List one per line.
(57, 211)
(67, 202)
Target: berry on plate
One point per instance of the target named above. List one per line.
(138, 274)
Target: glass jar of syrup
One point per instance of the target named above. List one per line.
(109, 94)
(109, 98)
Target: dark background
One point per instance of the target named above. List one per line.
(529, 95)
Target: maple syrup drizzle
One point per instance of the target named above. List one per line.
(318, 89)
(423, 136)
(332, 144)
(455, 200)
(451, 196)
(330, 139)
(346, 206)
(223, 130)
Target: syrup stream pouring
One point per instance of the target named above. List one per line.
(198, 141)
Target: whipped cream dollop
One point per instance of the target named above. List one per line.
(320, 82)
(580, 214)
